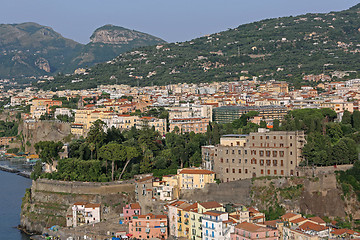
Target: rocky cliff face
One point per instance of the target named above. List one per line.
(109, 41)
(321, 196)
(30, 49)
(110, 34)
(48, 202)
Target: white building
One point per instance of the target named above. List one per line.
(85, 213)
(216, 225)
(64, 111)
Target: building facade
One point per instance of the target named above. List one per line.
(149, 226)
(227, 114)
(263, 153)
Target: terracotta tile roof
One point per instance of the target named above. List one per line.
(257, 217)
(312, 226)
(298, 220)
(342, 231)
(195, 171)
(144, 179)
(251, 227)
(317, 219)
(191, 207)
(135, 206)
(213, 213)
(209, 205)
(176, 203)
(288, 215)
(272, 222)
(253, 210)
(184, 205)
(92, 205)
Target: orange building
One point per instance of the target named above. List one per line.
(149, 226)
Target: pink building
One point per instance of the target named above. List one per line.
(130, 210)
(248, 231)
(149, 226)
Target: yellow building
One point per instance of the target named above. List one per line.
(158, 123)
(84, 118)
(184, 219)
(172, 181)
(189, 178)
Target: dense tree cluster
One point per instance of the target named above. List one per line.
(8, 129)
(117, 154)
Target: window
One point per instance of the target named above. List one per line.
(267, 137)
(239, 151)
(281, 137)
(281, 145)
(253, 137)
(291, 162)
(227, 151)
(290, 153)
(282, 163)
(221, 160)
(245, 160)
(227, 160)
(290, 144)
(245, 151)
(261, 153)
(261, 137)
(246, 171)
(262, 171)
(275, 172)
(233, 152)
(261, 162)
(239, 160)
(239, 170)
(227, 170)
(281, 153)
(268, 162)
(268, 172)
(274, 137)
(268, 153)
(282, 172)
(274, 153)
(233, 170)
(233, 161)
(275, 162)
(290, 137)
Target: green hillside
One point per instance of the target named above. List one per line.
(283, 48)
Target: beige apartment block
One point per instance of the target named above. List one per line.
(263, 153)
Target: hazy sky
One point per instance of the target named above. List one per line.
(168, 19)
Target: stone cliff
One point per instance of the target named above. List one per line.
(309, 195)
(33, 132)
(48, 201)
(110, 34)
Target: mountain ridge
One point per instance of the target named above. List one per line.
(30, 49)
(285, 48)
